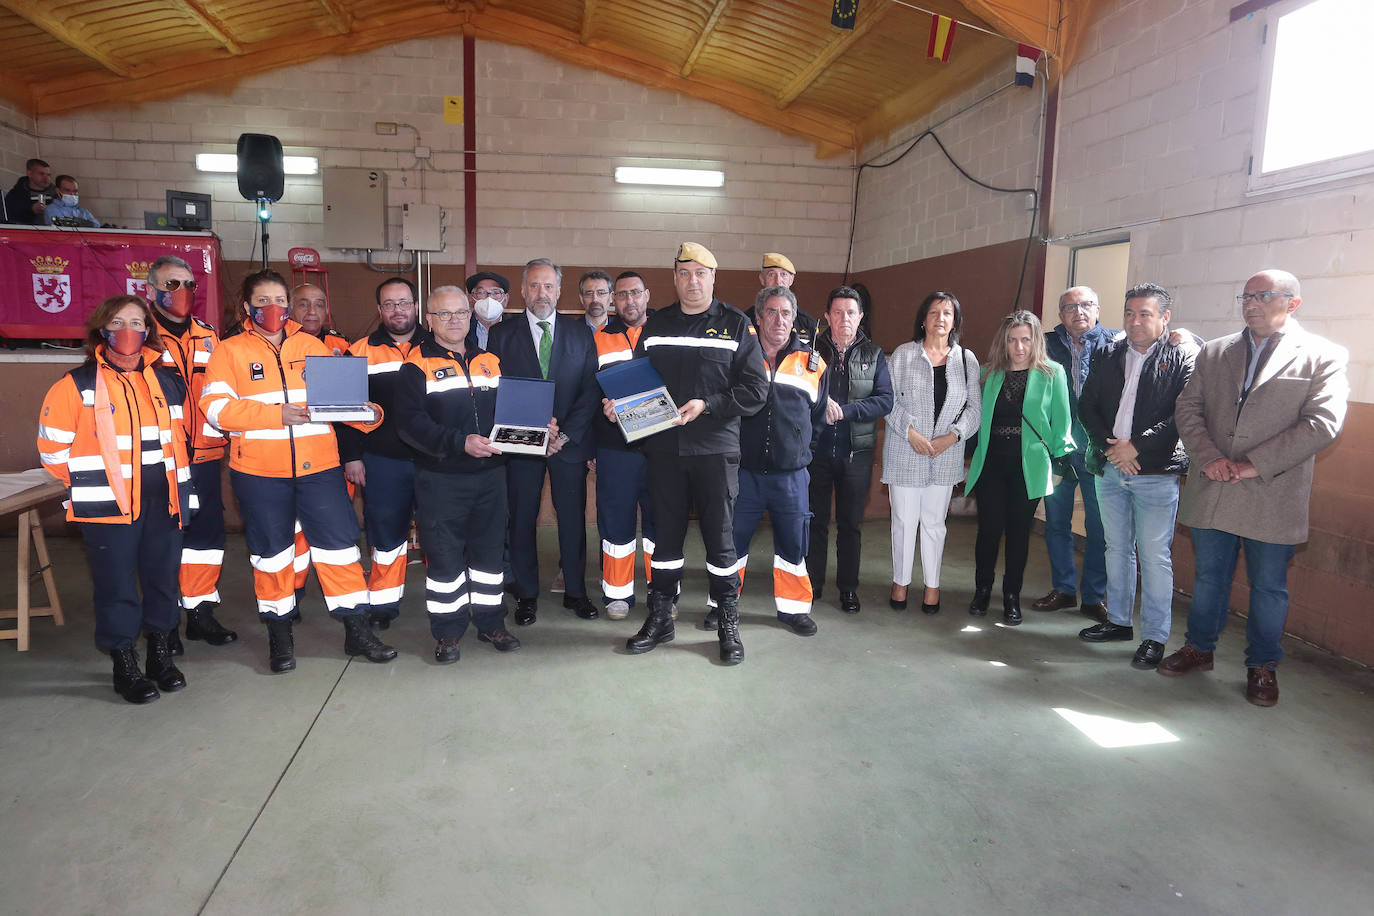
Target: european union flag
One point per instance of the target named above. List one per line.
(843, 12)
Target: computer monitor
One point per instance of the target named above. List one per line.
(188, 211)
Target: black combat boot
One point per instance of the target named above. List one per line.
(129, 682)
(160, 667)
(201, 624)
(731, 649)
(360, 640)
(281, 647)
(658, 626)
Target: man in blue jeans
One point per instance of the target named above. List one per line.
(1072, 344)
(1127, 408)
(1260, 405)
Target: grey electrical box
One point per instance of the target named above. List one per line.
(421, 227)
(354, 208)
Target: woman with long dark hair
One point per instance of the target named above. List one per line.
(1025, 425)
(937, 405)
(111, 430)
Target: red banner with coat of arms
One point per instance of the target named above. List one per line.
(52, 279)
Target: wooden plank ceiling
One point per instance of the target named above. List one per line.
(777, 62)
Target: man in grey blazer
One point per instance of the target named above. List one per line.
(1260, 405)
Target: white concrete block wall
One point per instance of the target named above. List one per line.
(549, 136)
(922, 207)
(1156, 128)
(17, 143)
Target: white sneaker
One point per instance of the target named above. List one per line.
(618, 609)
(557, 585)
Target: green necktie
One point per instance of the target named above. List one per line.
(545, 349)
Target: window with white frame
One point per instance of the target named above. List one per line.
(1313, 121)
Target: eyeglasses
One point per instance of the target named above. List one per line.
(173, 285)
(621, 295)
(486, 294)
(119, 324)
(395, 305)
(594, 293)
(1265, 296)
(1078, 307)
(447, 316)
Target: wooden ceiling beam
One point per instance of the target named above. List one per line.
(690, 63)
(963, 71)
(39, 13)
(212, 24)
(832, 51)
(340, 19)
(588, 17)
(15, 89)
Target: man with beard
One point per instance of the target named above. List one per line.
(594, 290)
(379, 462)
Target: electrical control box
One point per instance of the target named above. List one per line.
(354, 208)
(422, 227)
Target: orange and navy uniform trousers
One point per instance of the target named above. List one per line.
(622, 483)
(389, 466)
(338, 346)
(441, 398)
(283, 473)
(776, 445)
(116, 440)
(187, 351)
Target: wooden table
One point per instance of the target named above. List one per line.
(24, 493)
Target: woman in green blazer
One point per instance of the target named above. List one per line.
(1025, 423)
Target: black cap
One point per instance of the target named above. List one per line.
(496, 278)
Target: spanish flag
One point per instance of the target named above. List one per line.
(941, 37)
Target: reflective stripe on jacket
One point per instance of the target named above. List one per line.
(441, 399)
(189, 353)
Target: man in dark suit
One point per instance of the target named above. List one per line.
(539, 343)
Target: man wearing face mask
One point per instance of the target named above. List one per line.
(68, 205)
(310, 309)
(489, 293)
(188, 343)
(380, 462)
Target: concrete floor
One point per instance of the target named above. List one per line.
(895, 763)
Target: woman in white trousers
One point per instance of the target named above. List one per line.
(938, 404)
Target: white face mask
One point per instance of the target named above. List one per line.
(488, 309)
(70, 199)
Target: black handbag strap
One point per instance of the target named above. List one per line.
(963, 358)
(1037, 435)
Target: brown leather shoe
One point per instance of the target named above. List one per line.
(1055, 601)
(1261, 686)
(1185, 660)
(1095, 611)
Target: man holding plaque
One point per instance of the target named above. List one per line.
(776, 445)
(708, 355)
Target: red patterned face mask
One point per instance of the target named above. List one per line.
(125, 341)
(270, 318)
(177, 301)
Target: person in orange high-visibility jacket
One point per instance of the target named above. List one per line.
(776, 445)
(188, 343)
(283, 467)
(111, 430)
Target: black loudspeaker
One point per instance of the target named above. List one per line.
(260, 167)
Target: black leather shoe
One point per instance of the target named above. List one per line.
(129, 682)
(379, 620)
(446, 651)
(801, 624)
(1011, 610)
(1148, 656)
(581, 607)
(978, 607)
(160, 668)
(930, 608)
(711, 621)
(1108, 632)
(501, 639)
(525, 610)
(281, 647)
(360, 640)
(849, 602)
(1095, 610)
(657, 629)
(174, 644)
(731, 649)
(201, 624)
